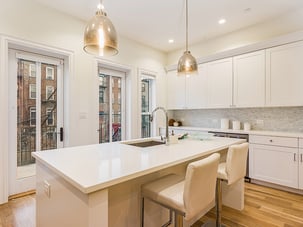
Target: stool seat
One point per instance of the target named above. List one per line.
(222, 174)
(191, 196)
(167, 190)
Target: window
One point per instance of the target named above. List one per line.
(49, 73)
(32, 91)
(32, 70)
(111, 104)
(147, 99)
(32, 116)
(50, 95)
(50, 117)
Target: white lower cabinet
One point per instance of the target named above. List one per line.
(274, 160)
(300, 163)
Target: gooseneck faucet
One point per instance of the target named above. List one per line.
(166, 125)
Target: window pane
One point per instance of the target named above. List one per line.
(104, 108)
(145, 107)
(26, 112)
(145, 95)
(48, 108)
(145, 129)
(116, 109)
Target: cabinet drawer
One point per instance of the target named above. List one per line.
(274, 140)
(301, 142)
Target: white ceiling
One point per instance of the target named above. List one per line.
(153, 22)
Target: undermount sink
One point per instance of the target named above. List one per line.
(148, 143)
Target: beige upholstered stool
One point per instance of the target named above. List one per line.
(230, 171)
(190, 197)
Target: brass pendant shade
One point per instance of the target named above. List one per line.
(100, 37)
(187, 64)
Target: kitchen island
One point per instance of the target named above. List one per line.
(99, 185)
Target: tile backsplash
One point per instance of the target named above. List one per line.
(288, 119)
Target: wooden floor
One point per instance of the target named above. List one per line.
(263, 207)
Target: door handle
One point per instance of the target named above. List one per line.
(61, 134)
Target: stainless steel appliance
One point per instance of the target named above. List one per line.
(238, 136)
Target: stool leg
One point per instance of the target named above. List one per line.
(142, 212)
(218, 203)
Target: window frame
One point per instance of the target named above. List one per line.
(50, 110)
(31, 67)
(152, 76)
(49, 95)
(52, 76)
(31, 111)
(31, 86)
(122, 86)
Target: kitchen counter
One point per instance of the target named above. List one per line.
(89, 185)
(250, 132)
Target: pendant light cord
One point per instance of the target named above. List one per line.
(186, 25)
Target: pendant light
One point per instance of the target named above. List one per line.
(187, 64)
(100, 36)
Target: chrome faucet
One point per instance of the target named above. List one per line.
(166, 139)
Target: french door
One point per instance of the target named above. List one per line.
(111, 105)
(35, 114)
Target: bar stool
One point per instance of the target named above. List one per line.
(230, 171)
(190, 197)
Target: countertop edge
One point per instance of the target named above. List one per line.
(250, 132)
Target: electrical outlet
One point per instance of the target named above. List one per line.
(47, 188)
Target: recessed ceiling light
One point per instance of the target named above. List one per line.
(171, 41)
(222, 21)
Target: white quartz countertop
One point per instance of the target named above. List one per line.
(250, 132)
(95, 167)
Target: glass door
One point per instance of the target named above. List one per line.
(35, 114)
(111, 105)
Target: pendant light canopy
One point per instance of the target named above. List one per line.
(100, 37)
(187, 64)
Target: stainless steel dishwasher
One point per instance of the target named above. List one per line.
(238, 136)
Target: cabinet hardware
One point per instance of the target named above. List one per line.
(301, 156)
(295, 157)
(270, 141)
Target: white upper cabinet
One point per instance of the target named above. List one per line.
(219, 77)
(249, 80)
(175, 91)
(196, 89)
(187, 92)
(284, 75)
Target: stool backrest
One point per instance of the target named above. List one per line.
(236, 162)
(200, 184)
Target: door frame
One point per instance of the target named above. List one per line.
(128, 108)
(7, 42)
(20, 185)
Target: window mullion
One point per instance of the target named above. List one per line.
(38, 105)
(110, 112)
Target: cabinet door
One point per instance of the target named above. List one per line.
(284, 78)
(175, 91)
(249, 79)
(274, 164)
(300, 168)
(219, 79)
(196, 89)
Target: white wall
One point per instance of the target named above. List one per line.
(288, 23)
(29, 21)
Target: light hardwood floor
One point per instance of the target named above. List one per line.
(263, 207)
